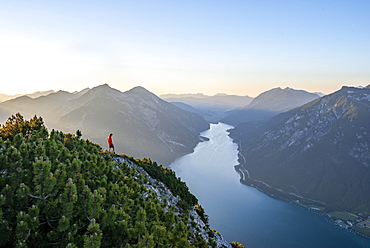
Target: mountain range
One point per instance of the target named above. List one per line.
(291, 142)
(269, 104)
(143, 125)
(212, 108)
(5, 97)
(319, 152)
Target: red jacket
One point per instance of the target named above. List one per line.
(110, 142)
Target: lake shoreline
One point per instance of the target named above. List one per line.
(246, 214)
(294, 198)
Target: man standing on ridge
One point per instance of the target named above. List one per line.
(110, 143)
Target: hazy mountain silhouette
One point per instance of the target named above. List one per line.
(269, 104)
(80, 93)
(217, 102)
(209, 115)
(5, 97)
(319, 151)
(212, 108)
(143, 124)
(43, 106)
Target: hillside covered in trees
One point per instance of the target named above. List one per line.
(59, 190)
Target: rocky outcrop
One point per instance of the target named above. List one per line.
(200, 228)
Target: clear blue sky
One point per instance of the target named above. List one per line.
(235, 47)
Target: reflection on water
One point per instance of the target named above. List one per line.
(244, 214)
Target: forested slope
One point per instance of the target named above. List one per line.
(60, 190)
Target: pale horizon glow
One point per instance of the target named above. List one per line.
(209, 47)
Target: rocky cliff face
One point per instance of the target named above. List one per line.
(319, 151)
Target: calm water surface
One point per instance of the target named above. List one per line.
(244, 214)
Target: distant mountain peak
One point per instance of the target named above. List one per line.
(24, 97)
(78, 91)
(102, 86)
(104, 89)
(61, 91)
(273, 89)
(138, 89)
(142, 92)
(221, 94)
(279, 90)
(269, 104)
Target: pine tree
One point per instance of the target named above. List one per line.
(93, 236)
(17, 125)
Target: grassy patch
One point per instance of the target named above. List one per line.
(363, 231)
(343, 216)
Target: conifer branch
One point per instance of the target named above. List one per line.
(47, 221)
(39, 197)
(28, 235)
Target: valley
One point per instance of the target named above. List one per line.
(190, 124)
(248, 215)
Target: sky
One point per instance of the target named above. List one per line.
(238, 47)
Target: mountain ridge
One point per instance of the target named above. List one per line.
(5, 97)
(143, 124)
(319, 151)
(269, 104)
(212, 108)
(152, 125)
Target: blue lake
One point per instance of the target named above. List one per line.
(244, 214)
